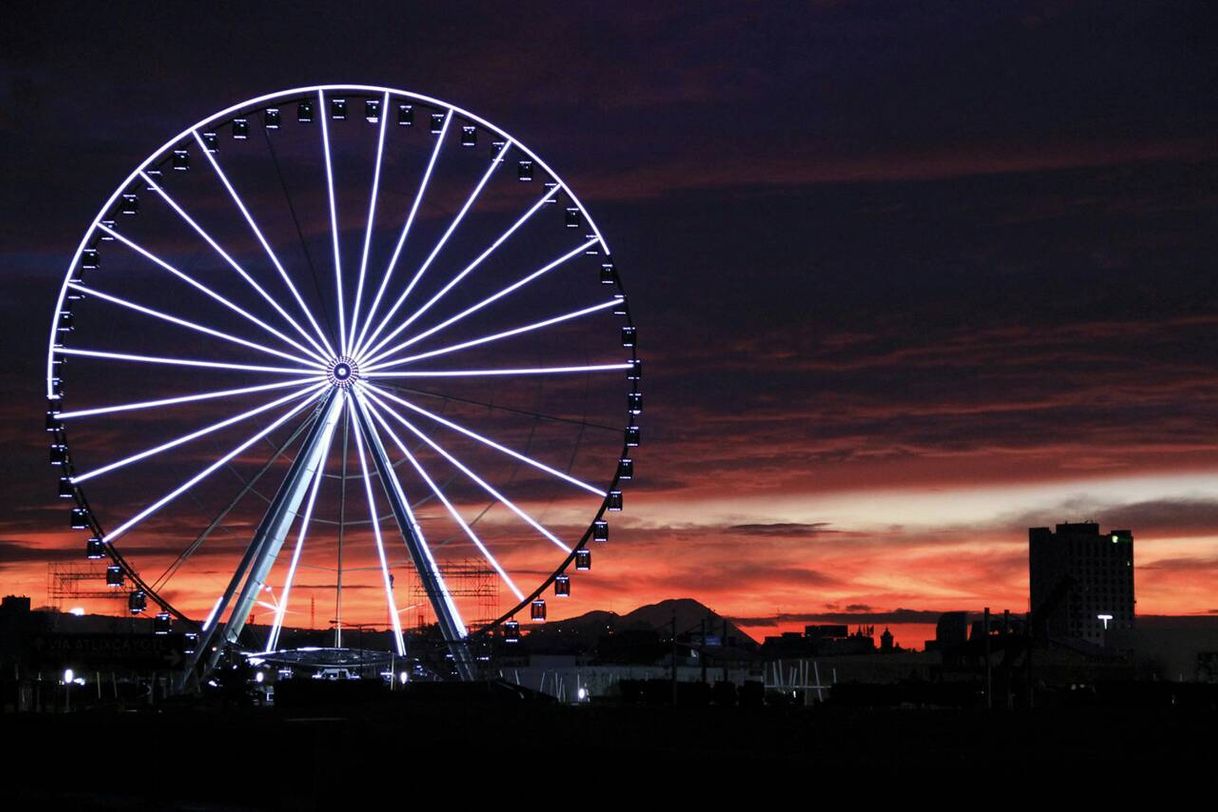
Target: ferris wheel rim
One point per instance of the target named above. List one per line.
(378, 365)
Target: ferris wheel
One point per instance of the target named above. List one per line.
(342, 344)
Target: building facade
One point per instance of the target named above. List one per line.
(1081, 580)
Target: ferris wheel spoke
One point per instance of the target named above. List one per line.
(541, 466)
(447, 504)
(281, 609)
(446, 397)
(547, 197)
(539, 325)
(338, 262)
(414, 208)
(342, 522)
(183, 362)
(206, 290)
(479, 373)
(317, 352)
(380, 543)
(154, 404)
(494, 297)
(486, 486)
(148, 311)
(496, 161)
(203, 432)
(249, 218)
(376, 184)
(206, 472)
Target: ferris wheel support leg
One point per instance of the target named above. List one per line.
(268, 540)
(450, 623)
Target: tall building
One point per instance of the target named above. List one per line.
(1081, 580)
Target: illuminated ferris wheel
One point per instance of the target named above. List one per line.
(333, 345)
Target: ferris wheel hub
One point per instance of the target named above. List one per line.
(342, 372)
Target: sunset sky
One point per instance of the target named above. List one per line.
(909, 278)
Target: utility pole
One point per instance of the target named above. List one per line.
(702, 651)
(674, 655)
(989, 675)
(1028, 663)
(1006, 657)
(723, 644)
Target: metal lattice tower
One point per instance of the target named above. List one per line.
(73, 582)
(467, 580)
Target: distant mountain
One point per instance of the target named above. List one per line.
(588, 627)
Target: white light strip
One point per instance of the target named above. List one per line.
(316, 351)
(184, 362)
(418, 198)
(474, 373)
(487, 339)
(338, 262)
(190, 483)
(211, 616)
(469, 268)
(371, 363)
(277, 626)
(435, 252)
(201, 287)
(440, 495)
(152, 404)
(485, 485)
(188, 324)
(249, 218)
(203, 432)
(376, 532)
(541, 466)
(376, 185)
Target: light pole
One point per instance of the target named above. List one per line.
(1104, 619)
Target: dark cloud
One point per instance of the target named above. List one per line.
(894, 616)
(728, 172)
(734, 578)
(1151, 518)
(782, 529)
(331, 586)
(19, 552)
(1208, 566)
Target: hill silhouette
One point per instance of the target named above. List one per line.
(658, 617)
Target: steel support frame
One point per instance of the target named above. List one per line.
(268, 540)
(433, 582)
